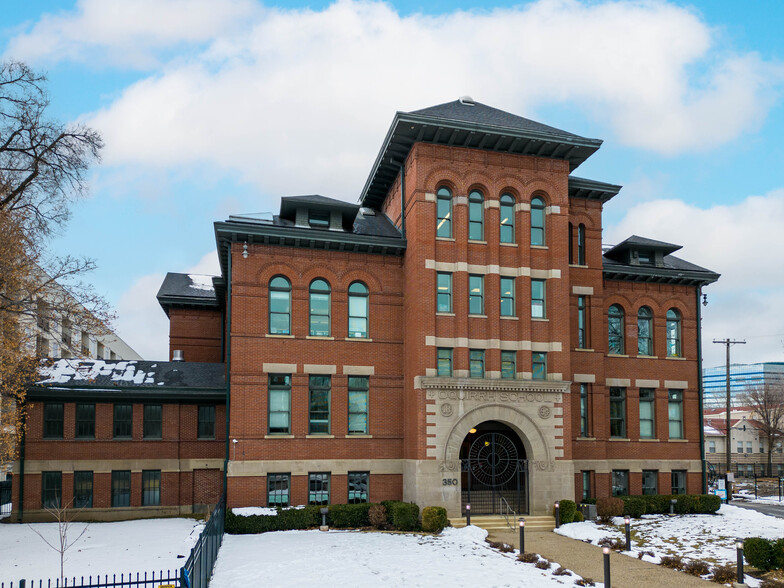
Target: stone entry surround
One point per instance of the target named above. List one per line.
(532, 408)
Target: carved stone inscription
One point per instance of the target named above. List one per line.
(490, 395)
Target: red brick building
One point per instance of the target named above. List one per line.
(458, 336)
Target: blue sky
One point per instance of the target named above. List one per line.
(214, 107)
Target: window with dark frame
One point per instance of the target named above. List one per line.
(358, 487)
(647, 413)
(279, 404)
(320, 303)
(584, 421)
(582, 338)
(318, 488)
(358, 303)
(51, 489)
(539, 365)
(581, 244)
(358, 390)
(83, 489)
(476, 216)
(318, 219)
(508, 365)
(617, 412)
(537, 221)
(206, 421)
(673, 329)
(650, 482)
(507, 218)
(444, 213)
(675, 412)
(121, 488)
(570, 243)
(444, 366)
(538, 300)
(318, 406)
(586, 474)
(85, 421)
(151, 487)
(123, 421)
(507, 296)
(476, 363)
(279, 306)
(153, 421)
(476, 294)
(644, 331)
(615, 341)
(620, 482)
(444, 292)
(679, 481)
(53, 420)
(278, 489)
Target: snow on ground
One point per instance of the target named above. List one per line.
(707, 537)
(105, 548)
(457, 557)
(248, 511)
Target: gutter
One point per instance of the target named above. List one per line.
(699, 394)
(21, 466)
(228, 374)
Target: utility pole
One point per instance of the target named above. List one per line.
(727, 343)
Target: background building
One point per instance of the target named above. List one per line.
(742, 376)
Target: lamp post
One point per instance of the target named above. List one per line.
(673, 502)
(522, 535)
(606, 551)
(468, 514)
(739, 547)
(627, 523)
(557, 514)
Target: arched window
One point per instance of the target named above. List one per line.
(507, 218)
(581, 244)
(444, 211)
(279, 306)
(476, 216)
(571, 243)
(644, 331)
(358, 310)
(673, 333)
(537, 221)
(319, 308)
(615, 329)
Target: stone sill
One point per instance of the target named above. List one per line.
(359, 339)
(319, 436)
(320, 338)
(584, 349)
(452, 239)
(477, 242)
(281, 436)
(271, 336)
(539, 247)
(445, 314)
(619, 439)
(510, 318)
(508, 244)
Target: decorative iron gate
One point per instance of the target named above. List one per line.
(494, 471)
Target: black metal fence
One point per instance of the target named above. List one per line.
(197, 569)
(5, 497)
(201, 561)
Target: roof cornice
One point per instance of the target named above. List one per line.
(659, 275)
(592, 189)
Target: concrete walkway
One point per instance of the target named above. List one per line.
(588, 561)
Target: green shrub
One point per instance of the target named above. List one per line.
(758, 552)
(588, 501)
(434, 519)
(578, 517)
(777, 561)
(567, 509)
(686, 504)
(634, 506)
(404, 516)
(284, 520)
(609, 507)
(348, 516)
(708, 503)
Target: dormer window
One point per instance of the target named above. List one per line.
(645, 258)
(318, 219)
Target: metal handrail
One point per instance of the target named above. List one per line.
(506, 510)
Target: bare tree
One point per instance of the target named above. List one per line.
(43, 167)
(767, 403)
(64, 517)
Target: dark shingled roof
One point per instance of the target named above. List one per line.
(104, 379)
(481, 114)
(181, 289)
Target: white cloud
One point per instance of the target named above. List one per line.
(142, 323)
(297, 101)
(743, 243)
(127, 32)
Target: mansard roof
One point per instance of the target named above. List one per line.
(466, 123)
(189, 290)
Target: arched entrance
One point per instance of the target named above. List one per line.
(494, 470)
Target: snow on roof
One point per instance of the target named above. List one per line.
(711, 430)
(64, 371)
(201, 282)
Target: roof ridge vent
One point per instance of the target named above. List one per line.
(467, 100)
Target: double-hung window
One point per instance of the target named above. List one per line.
(444, 212)
(582, 339)
(539, 365)
(358, 487)
(318, 488)
(320, 295)
(673, 333)
(675, 411)
(584, 410)
(644, 331)
(53, 420)
(121, 488)
(51, 489)
(206, 424)
(279, 412)
(537, 221)
(151, 487)
(444, 369)
(153, 421)
(358, 310)
(318, 406)
(615, 330)
(123, 421)
(278, 489)
(508, 365)
(477, 363)
(476, 216)
(620, 482)
(279, 306)
(678, 482)
(647, 413)
(83, 490)
(581, 244)
(358, 387)
(507, 218)
(476, 294)
(618, 412)
(507, 296)
(538, 299)
(650, 482)
(444, 292)
(85, 421)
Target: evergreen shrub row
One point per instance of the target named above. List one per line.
(764, 554)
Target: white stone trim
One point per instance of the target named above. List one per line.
(431, 372)
(337, 467)
(582, 290)
(646, 383)
(279, 368)
(462, 266)
(430, 197)
(453, 342)
(682, 384)
(555, 209)
(492, 204)
(460, 200)
(105, 466)
(605, 466)
(319, 369)
(359, 370)
(524, 206)
(584, 378)
(619, 382)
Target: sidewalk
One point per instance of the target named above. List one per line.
(588, 561)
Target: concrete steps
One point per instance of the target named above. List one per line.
(491, 523)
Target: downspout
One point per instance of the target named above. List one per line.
(22, 466)
(699, 392)
(228, 375)
(403, 198)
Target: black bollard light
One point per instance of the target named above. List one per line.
(557, 514)
(673, 502)
(324, 510)
(606, 551)
(522, 535)
(468, 515)
(628, 523)
(739, 547)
